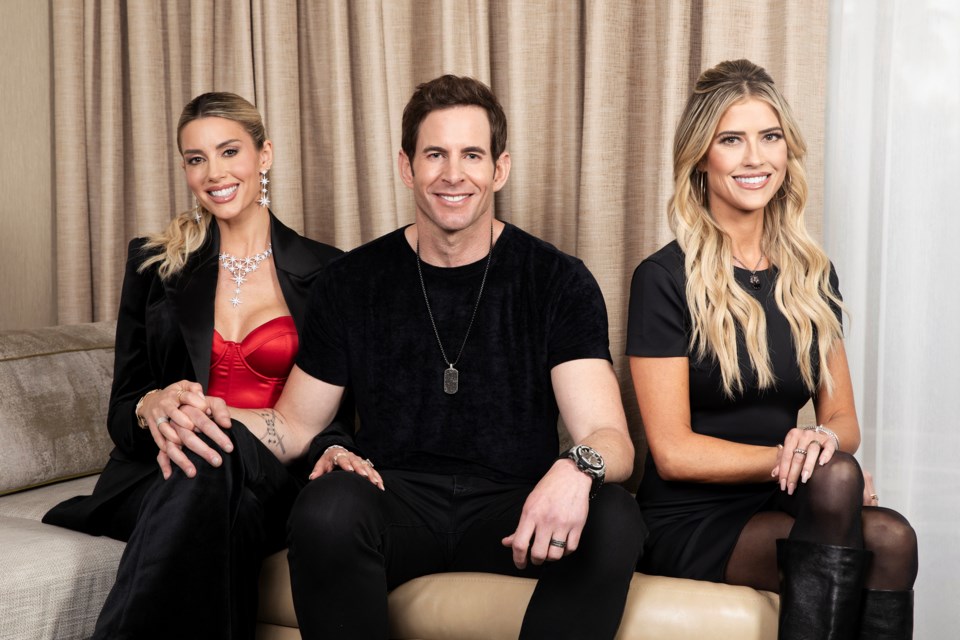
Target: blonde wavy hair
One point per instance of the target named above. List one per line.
(719, 307)
(172, 247)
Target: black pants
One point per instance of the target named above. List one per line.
(191, 566)
(350, 544)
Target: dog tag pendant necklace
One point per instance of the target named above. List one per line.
(451, 376)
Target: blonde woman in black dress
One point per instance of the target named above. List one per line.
(733, 327)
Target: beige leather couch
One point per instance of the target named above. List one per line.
(54, 389)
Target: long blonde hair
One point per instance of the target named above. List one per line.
(172, 247)
(719, 306)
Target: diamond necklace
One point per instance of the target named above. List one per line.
(754, 278)
(240, 268)
(451, 377)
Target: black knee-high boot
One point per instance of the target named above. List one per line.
(886, 615)
(820, 590)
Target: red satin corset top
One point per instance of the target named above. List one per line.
(251, 373)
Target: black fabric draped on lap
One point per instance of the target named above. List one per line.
(694, 526)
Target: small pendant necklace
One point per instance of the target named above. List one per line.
(240, 268)
(451, 377)
(754, 278)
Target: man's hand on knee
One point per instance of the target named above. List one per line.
(553, 516)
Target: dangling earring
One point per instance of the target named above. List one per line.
(264, 181)
(197, 212)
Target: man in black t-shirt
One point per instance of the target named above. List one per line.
(462, 339)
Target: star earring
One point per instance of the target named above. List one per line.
(264, 200)
(197, 215)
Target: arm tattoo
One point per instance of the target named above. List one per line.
(272, 438)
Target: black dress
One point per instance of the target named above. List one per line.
(694, 526)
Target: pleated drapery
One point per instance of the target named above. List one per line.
(592, 91)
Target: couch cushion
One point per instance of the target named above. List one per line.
(54, 580)
(34, 503)
(55, 384)
(484, 606)
(467, 606)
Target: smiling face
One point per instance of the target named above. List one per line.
(747, 160)
(452, 173)
(222, 165)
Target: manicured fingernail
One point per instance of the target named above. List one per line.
(804, 476)
(790, 488)
(773, 474)
(215, 460)
(783, 485)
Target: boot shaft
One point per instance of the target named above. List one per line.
(821, 587)
(886, 615)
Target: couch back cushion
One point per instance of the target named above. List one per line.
(54, 390)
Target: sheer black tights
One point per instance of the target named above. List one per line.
(827, 510)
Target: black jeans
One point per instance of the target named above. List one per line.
(191, 566)
(350, 544)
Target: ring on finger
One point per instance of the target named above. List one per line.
(336, 457)
(162, 419)
(802, 452)
(816, 442)
(560, 544)
(180, 391)
(367, 462)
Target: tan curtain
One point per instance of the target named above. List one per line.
(592, 90)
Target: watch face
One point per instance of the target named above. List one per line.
(590, 457)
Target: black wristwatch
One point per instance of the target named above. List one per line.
(591, 463)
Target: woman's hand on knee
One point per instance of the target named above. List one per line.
(803, 451)
(337, 457)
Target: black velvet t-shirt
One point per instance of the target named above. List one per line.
(368, 328)
(694, 526)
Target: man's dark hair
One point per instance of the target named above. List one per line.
(452, 91)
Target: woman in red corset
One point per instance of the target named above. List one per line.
(211, 305)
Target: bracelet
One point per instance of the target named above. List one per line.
(141, 421)
(822, 429)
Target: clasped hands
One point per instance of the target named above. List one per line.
(176, 416)
(805, 449)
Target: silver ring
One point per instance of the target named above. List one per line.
(162, 419)
(336, 457)
(560, 544)
(816, 442)
(802, 452)
(367, 462)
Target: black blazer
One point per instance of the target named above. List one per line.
(165, 334)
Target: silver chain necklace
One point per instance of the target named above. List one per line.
(240, 268)
(451, 377)
(754, 278)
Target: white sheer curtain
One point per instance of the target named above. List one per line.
(892, 226)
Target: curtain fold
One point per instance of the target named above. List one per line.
(592, 91)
